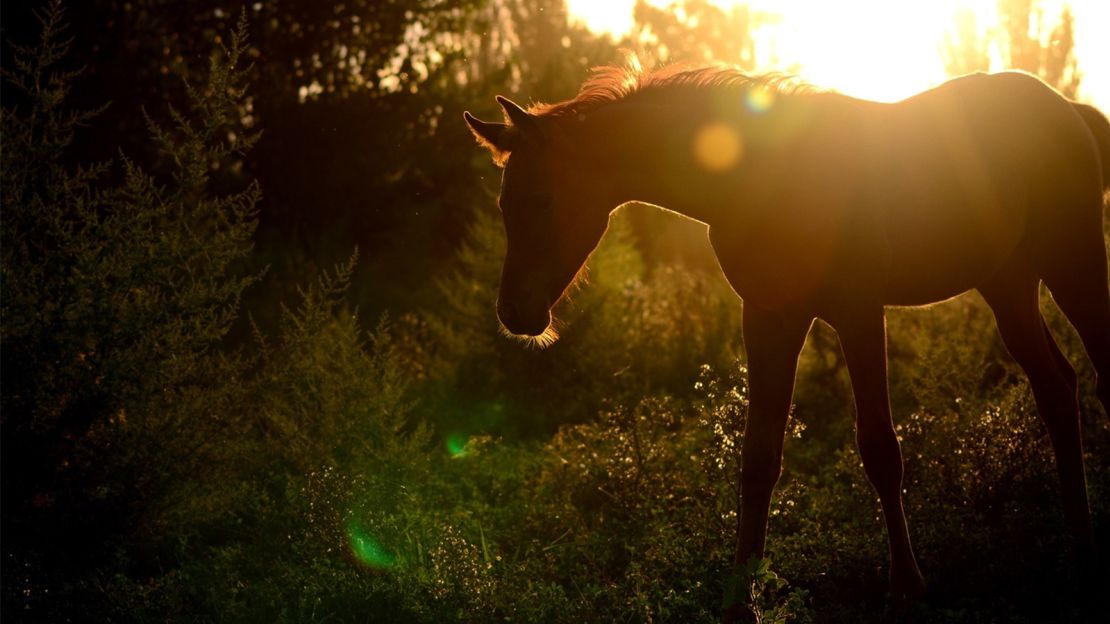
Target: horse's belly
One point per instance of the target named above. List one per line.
(940, 251)
(976, 174)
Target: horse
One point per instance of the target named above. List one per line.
(824, 206)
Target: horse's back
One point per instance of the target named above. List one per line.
(975, 172)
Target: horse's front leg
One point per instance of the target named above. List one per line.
(862, 331)
(773, 341)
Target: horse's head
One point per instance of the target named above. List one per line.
(554, 211)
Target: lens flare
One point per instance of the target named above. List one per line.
(456, 444)
(367, 549)
(717, 147)
(759, 99)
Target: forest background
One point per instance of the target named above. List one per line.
(251, 370)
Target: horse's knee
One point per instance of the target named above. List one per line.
(882, 456)
(760, 475)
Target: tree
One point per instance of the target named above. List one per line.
(697, 31)
(1023, 41)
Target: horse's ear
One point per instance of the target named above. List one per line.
(493, 136)
(516, 114)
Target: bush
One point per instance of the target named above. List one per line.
(627, 332)
(118, 289)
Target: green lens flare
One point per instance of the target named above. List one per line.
(367, 549)
(456, 444)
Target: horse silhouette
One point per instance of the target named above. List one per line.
(820, 205)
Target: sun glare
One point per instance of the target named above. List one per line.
(611, 16)
(878, 49)
(873, 49)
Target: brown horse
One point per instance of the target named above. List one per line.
(824, 206)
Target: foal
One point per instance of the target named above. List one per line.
(824, 206)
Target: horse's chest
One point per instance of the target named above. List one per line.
(773, 272)
(783, 262)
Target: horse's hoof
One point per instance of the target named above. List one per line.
(908, 585)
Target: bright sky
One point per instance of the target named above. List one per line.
(880, 49)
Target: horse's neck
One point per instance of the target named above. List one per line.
(649, 152)
(642, 151)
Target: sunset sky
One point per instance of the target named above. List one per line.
(880, 49)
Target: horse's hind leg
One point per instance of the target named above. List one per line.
(1080, 286)
(1014, 299)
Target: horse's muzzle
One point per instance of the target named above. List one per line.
(521, 320)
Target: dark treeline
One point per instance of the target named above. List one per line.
(216, 409)
(353, 98)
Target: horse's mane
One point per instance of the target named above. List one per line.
(618, 82)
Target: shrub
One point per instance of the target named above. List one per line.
(117, 290)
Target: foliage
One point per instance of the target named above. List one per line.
(698, 30)
(117, 288)
(650, 329)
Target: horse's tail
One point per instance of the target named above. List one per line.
(1100, 130)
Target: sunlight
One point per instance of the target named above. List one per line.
(872, 49)
(612, 16)
(877, 49)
